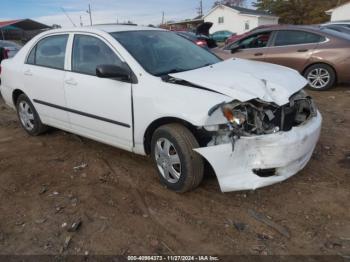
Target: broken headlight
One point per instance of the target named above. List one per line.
(235, 117)
(257, 117)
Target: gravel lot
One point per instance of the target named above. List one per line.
(119, 207)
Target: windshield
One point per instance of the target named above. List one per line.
(162, 52)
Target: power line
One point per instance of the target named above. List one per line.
(64, 11)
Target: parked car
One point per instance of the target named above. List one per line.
(10, 48)
(7, 50)
(221, 36)
(152, 92)
(321, 55)
(200, 40)
(201, 37)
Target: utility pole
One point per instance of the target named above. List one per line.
(200, 8)
(81, 22)
(89, 12)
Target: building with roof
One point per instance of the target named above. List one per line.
(21, 30)
(185, 25)
(237, 19)
(340, 13)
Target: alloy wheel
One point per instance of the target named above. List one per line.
(319, 78)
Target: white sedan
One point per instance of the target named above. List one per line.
(155, 93)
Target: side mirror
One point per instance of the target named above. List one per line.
(235, 48)
(113, 71)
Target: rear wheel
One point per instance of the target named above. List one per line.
(320, 76)
(29, 118)
(179, 167)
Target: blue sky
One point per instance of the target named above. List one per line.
(104, 11)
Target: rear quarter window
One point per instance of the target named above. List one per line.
(290, 37)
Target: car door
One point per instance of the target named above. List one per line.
(43, 75)
(253, 47)
(293, 48)
(99, 108)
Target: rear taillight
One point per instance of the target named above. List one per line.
(201, 43)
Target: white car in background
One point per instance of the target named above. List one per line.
(155, 93)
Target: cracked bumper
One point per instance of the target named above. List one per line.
(287, 152)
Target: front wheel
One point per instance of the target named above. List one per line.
(321, 77)
(179, 167)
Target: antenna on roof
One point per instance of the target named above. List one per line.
(64, 11)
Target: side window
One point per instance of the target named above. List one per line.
(89, 52)
(255, 41)
(288, 37)
(50, 52)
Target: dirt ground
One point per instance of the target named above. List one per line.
(122, 209)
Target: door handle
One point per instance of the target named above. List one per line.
(259, 54)
(28, 73)
(71, 82)
(303, 50)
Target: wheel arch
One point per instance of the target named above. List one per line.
(321, 63)
(164, 121)
(15, 94)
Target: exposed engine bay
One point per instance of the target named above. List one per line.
(257, 117)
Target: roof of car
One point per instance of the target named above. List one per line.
(290, 27)
(109, 28)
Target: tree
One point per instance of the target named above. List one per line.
(299, 11)
(230, 2)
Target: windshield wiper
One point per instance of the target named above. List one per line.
(177, 70)
(172, 71)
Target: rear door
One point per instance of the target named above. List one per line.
(253, 47)
(292, 48)
(43, 74)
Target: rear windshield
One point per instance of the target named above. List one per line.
(336, 33)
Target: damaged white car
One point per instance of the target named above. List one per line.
(155, 93)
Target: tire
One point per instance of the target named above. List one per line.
(314, 75)
(189, 172)
(28, 116)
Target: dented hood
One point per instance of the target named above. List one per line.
(245, 80)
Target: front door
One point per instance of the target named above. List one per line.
(99, 108)
(253, 47)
